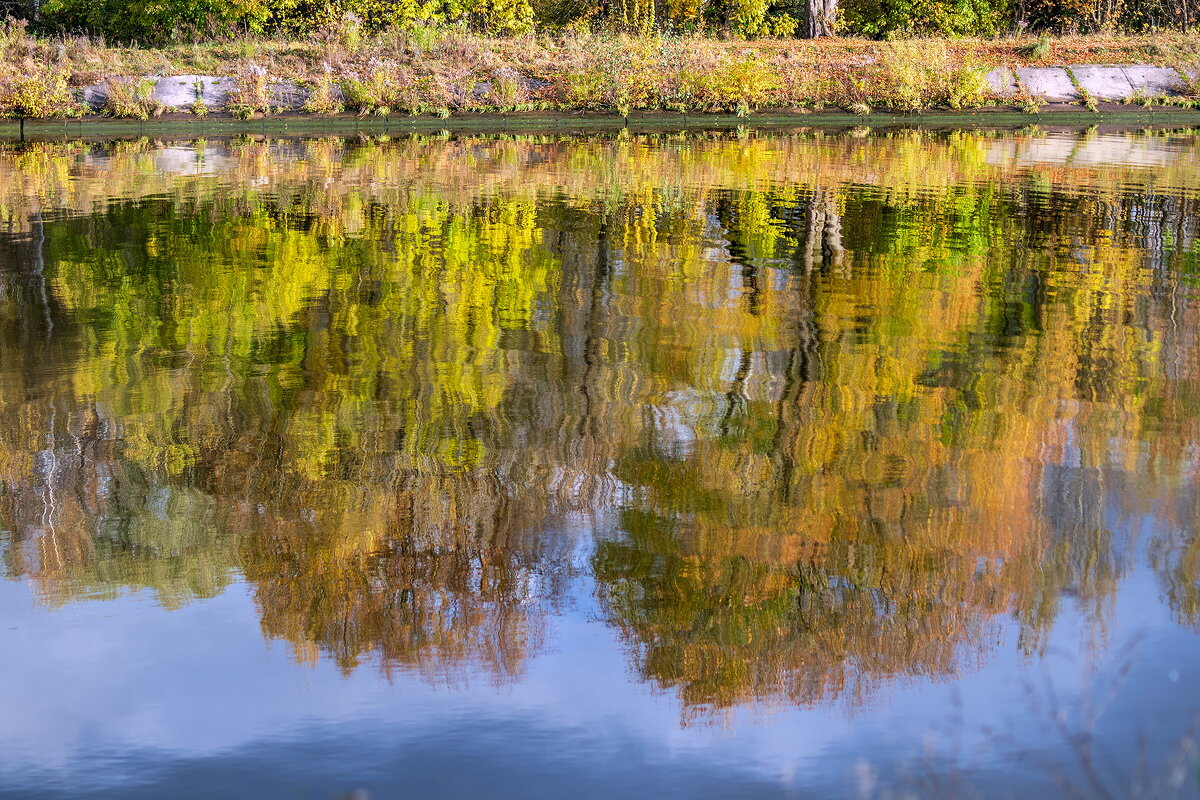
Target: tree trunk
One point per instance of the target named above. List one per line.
(821, 14)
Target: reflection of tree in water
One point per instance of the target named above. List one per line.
(439, 576)
(845, 428)
(823, 230)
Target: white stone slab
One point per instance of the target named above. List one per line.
(1152, 81)
(1103, 82)
(1048, 83)
(182, 91)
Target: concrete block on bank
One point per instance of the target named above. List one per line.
(1152, 81)
(96, 96)
(1003, 82)
(182, 91)
(1048, 83)
(1103, 82)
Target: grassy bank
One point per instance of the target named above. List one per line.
(450, 72)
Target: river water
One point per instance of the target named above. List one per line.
(697, 464)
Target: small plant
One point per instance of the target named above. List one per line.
(1189, 79)
(350, 31)
(506, 90)
(904, 81)
(967, 87)
(1140, 98)
(252, 95)
(131, 99)
(1087, 99)
(585, 88)
(913, 76)
(618, 77)
(1029, 105)
(368, 95)
(1181, 102)
(423, 38)
(199, 107)
(324, 96)
(1037, 50)
(859, 109)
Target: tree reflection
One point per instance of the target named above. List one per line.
(850, 400)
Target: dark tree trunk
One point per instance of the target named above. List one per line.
(821, 14)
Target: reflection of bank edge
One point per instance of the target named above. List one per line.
(1068, 151)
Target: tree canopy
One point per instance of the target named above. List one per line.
(180, 20)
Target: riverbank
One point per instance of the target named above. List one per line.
(441, 74)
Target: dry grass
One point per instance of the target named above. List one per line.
(432, 71)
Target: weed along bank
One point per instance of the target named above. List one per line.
(443, 74)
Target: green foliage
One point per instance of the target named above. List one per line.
(913, 76)
(617, 77)
(501, 17)
(165, 20)
(349, 21)
(896, 19)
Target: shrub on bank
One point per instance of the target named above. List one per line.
(44, 94)
(131, 98)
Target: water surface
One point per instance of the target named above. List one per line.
(690, 465)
